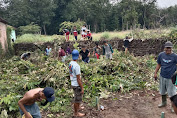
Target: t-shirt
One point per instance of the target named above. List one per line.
(83, 28)
(74, 69)
(126, 42)
(107, 49)
(48, 50)
(84, 54)
(61, 53)
(89, 34)
(75, 32)
(168, 64)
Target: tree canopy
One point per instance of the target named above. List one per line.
(101, 15)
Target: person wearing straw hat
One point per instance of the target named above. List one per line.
(27, 105)
(167, 61)
(76, 83)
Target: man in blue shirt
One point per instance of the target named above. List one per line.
(167, 61)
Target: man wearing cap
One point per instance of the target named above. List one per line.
(27, 103)
(76, 83)
(167, 61)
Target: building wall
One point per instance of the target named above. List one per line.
(3, 36)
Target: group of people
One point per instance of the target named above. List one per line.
(85, 33)
(166, 60)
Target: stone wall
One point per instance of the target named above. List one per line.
(137, 47)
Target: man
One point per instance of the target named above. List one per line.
(85, 54)
(167, 61)
(75, 32)
(76, 83)
(174, 103)
(127, 40)
(25, 56)
(61, 54)
(48, 50)
(107, 50)
(27, 103)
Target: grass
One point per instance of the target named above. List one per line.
(137, 34)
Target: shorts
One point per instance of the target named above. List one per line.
(97, 55)
(108, 56)
(33, 110)
(166, 85)
(77, 94)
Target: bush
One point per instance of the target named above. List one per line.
(105, 35)
(29, 29)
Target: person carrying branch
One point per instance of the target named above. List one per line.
(167, 61)
(127, 41)
(76, 83)
(27, 105)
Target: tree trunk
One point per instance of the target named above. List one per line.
(127, 26)
(122, 24)
(44, 30)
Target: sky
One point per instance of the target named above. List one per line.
(166, 3)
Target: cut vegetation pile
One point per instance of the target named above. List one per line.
(100, 77)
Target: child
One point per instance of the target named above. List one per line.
(107, 50)
(75, 32)
(28, 102)
(85, 54)
(48, 50)
(96, 50)
(61, 54)
(127, 40)
(84, 34)
(25, 56)
(89, 35)
(66, 31)
(76, 83)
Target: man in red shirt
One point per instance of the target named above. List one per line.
(75, 32)
(89, 35)
(61, 54)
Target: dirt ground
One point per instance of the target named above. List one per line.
(137, 104)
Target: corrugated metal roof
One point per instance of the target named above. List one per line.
(3, 21)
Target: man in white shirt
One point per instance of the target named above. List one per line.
(76, 83)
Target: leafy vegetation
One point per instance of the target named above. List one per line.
(100, 77)
(29, 29)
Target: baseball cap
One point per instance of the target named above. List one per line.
(49, 94)
(168, 44)
(75, 54)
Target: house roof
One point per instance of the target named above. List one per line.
(3, 21)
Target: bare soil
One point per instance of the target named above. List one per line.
(137, 104)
